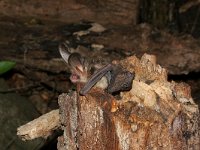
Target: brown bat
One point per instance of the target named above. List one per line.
(78, 64)
(110, 77)
(117, 79)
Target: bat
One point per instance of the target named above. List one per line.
(78, 64)
(112, 78)
(117, 79)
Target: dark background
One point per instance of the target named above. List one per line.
(30, 32)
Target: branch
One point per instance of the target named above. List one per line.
(40, 127)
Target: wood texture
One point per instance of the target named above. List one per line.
(154, 114)
(40, 127)
(105, 12)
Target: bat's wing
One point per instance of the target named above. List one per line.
(95, 78)
(120, 81)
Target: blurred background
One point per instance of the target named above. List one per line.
(32, 73)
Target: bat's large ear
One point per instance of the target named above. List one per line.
(64, 52)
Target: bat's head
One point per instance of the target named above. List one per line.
(79, 68)
(78, 65)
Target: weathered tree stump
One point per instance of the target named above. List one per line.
(154, 114)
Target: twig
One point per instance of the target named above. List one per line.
(40, 127)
